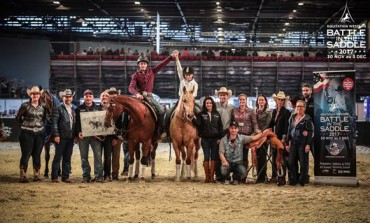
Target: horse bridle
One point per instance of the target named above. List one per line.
(120, 131)
(185, 114)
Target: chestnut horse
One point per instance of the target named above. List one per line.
(51, 102)
(184, 135)
(141, 129)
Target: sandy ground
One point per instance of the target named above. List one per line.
(163, 200)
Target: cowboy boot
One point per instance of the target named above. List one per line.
(212, 172)
(23, 178)
(206, 171)
(36, 175)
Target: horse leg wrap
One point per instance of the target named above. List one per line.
(137, 166)
(177, 178)
(153, 167)
(280, 172)
(143, 167)
(183, 169)
(195, 168)
(130, 170)
(188, 171)
(254, 171)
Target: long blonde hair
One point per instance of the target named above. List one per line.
(101, 97)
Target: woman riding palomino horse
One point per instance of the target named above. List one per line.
(184, 134)
(141, 128)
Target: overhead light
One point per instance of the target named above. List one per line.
(219, 10)
(142, 10)
(217, 3)
(219, 28)
(137, 3)
(290, 17)
(90, 10)
(284, 29)
(80, 20)
(300, 3)
(62, 7)
(56, 2)
(287, 24)
(294, 10)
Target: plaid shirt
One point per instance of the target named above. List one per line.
(248, 120)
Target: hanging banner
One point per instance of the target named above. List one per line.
(335, 128)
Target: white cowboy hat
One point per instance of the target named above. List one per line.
(66, 92)
(224, 90)
(33, 90)
(280, 95)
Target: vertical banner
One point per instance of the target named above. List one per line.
(335, 127)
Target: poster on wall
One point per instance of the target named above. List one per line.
(92, 124)
(335, 127)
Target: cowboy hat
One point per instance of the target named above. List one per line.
(224, 90)
(280, 95)
(112, 90)
(34, 90)
(66, 92)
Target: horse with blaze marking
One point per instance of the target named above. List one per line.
(141, 129)
(185, 136)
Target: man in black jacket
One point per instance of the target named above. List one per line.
(64, 131)
(93, 141)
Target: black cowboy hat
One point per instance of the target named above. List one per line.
(142, 59)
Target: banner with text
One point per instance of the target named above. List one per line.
(335, 127)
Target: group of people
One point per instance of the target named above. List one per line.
(225, 130)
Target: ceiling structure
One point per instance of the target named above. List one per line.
(281, 23)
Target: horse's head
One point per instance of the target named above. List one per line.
(47, 98)
(112, 113)
(187, 101)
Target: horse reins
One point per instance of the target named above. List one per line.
(129, 130)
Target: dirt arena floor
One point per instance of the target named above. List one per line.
(163, 200)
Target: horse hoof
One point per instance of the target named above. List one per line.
(129, 180)
(46, 176)
(177, 179)
(136, 176)
(153, 176)
(142, 180)
(188, 178)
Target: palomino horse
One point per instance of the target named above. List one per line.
(50, 101)
(141, 129)
(184, 135)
